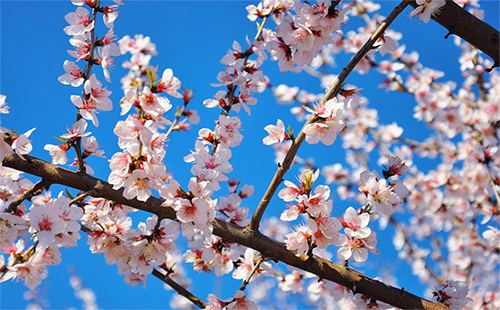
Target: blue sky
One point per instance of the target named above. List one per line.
(191, 38)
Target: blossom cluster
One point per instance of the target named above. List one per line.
(458, 199)
(442, 200)
(240, 72)
(95, 52)
(298, 37)
(139, 168)
(321, 229)
(135, 251)
(95, 98)
(52, 222)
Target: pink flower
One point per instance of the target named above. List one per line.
(191, 212)
(324, 109)
(285, 94)
(228, 130)
(107, 60)
(384, 197)
(453, 294)
(298, 240)
(87, 108)
(73, 75)
(427, 8)
(246, 264)
(137, 185)
(82, 46)
(396, 166)
(357, 249)
(292, 213)
(169, 84)
(276, 133)
(22, 145)
(90, 3)
(29, 272)
(292, 283)
(317, 203)
(10, 226)
(98, 93)
(324, 132)
(214, 303)
(355, 225)
(79, 22)
(91, 146)
(58, 153)
(77, 130)
(4, 109)
(234, 58)
(110, 14)
(241, 303)
(290, 192)
(139, 44)
(262, 9)
(152, 103)
(46, 223)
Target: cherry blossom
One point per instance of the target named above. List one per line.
(322, 132)
(4, 109)
(453, 294)
(241, 302)
(247, 264)
(427, 8)
(454, 205)
(169, 84)
(73, 75)
(11, 226)
(79, 21)
(357, 249)
(355, 225)
(299, 240)
(276, 133)
(22, 145)
(106, 58)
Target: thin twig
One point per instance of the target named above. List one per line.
(90, 63)
(332, 92)
(81, 197)
(44, 183)
(407, 241)
(179, 289)
(278, 176)
(178, 115)
(252, 272)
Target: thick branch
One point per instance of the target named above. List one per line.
(270, 248)
(461, 23)
(84, 182)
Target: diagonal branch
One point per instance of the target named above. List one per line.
(269, 247)
(461, 23)
(179, 289)
(332, 92)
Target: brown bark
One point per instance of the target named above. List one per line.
(461, 23)
(269, 248)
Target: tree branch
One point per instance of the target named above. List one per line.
(332, 92)
(179, 289)
(461, 23)
(269, 247)
(278, 176)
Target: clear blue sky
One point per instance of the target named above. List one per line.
(191, 38)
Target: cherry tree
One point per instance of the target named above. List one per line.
(152, 221)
